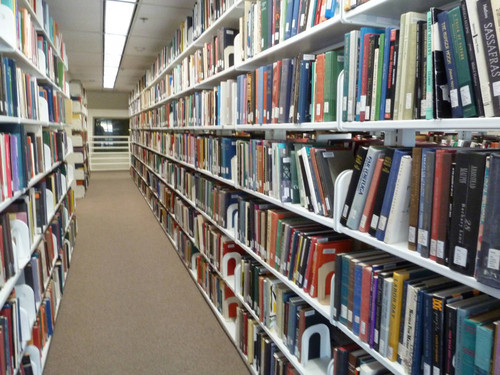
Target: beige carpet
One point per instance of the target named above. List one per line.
(130, 306)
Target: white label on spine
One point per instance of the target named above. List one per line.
(363, 221)
(374, 221)
(344, 103)
(494, 259)
(412, 234)
(454, 98)
(427, 369)
(409, 100)
(326, 107)
(423, 237)
(345, 210)
(433, 247)
(362, 103)
(302, 19)
(343, 312)
(349, 106)
(349, 315)
(387, 105)
(382, 222)
(367, 113)
(465, 95)
(460, 256)
(496, 88)
(363, 328)
(356, 319)
(440, 249)
(423, 107)
(318, 109)
(375, 339)
(435, 370)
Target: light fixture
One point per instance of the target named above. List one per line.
(117, 20)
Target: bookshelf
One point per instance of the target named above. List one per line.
(36, 114)
(317, 39)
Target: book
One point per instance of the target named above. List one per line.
(359, 161)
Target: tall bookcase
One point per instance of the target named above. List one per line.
(158, 154)
(79, 134)
(37, 203)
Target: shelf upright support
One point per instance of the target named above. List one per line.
(400, 137)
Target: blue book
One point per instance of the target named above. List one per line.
(304, 102)
(344, 291)
(362, 32)
(293, 305)
(14, 95)
(269, 93)
(228, 152)
(295, 17)
(289, 18)
(331, 6)
(260, 98)
(427, 330)
(358, 283)
(449, 62)
(385, 72)
(389, 192)
(48, 309)
(425, 201)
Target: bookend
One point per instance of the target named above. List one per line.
(225, 262)
(8, 30)
(325, 345)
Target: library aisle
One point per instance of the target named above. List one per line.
(129, 305)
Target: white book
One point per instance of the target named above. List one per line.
(257, 47)
(353, 58)
(309, 179)
(385, 316)
(223, 97)
(371, 107)
(371, 368)
(365, 178)
(397, 223)
(400, 65)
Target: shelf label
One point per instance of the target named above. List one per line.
(494, 259)
(460, 256)
(465, 95)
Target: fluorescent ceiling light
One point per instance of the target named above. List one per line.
(113, 44)
(118, 17)
(109, 77)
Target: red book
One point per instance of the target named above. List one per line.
(310, 264)
(231, 308)
(35, 335)
(276, 91)
(320, 86)
(324, 267)
(318, 178)
(364, 76)
(245, 331)
(440, 199)
(364, 224)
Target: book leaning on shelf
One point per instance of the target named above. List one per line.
(436, 201)
(439, 64)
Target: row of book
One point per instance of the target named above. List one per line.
(439, 201)
(301, 89)
(410, 315)
(23, 95)
(437, 65)
(25, 154)
(264, 23)
(296, 247)
(295, 172)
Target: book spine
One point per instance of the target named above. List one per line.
(347, 52)
(490, 41)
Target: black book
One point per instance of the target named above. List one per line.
(359, 160)
(337, 286)
(468, 182)
(7, 245)
(286, 69)
(420, 71)
(492, 51)
(372, 45)
(472, 59)
(441, 102)
(393, 68)
(382, 184)
(3, 99)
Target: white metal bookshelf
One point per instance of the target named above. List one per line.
(380, 13)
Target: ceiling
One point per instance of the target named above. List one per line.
(82, 26)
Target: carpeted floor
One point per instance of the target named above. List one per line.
(130, 306)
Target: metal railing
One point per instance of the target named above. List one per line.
(109, 153)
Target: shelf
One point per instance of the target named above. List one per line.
(383, 13)
(39, 28)
(296, 208)
(229, 18)
(20, 120)
(323, 309)
(471, 124)
(401, 250)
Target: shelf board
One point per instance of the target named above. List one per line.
(296, 208)
(470, 124)
(401, 250)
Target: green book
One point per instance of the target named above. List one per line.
(462, 63)
(330, 90)
(381, 43)
(263, 24)
(484, 340)
(429, 112)
(347, 52)
(468, 349)
(294, 190)
(60, 71)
